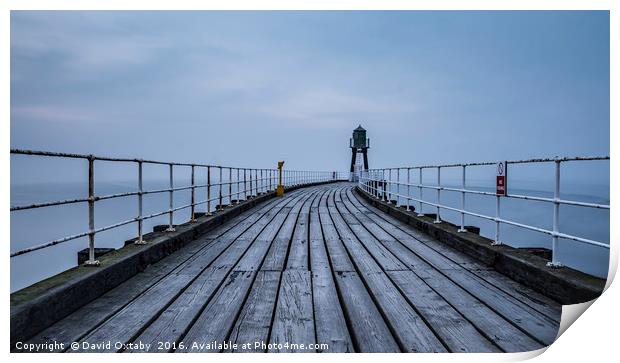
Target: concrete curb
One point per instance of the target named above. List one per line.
(565, 285)
(40, 305)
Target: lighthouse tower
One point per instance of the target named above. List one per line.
(359, 143)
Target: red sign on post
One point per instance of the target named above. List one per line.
(500, 179)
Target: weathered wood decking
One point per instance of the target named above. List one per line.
(317, 266)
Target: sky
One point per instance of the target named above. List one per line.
(251, 88)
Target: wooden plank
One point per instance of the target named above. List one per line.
(318, 252)
(299, 256)
(376, 257)
(149, 306)
(276, 256)
(411, 260)
(534, 299)
(78, 324)
(174, 321)
(369, 331)
(383, 256)
(522, 315)
(362, 259)
(293, 323)
(75, 326)
(437, 260)
(370, 210)
(495, 327)
(131, 319)
(498, 330)
(455, 331)
(172, 324)
(142, 311)
(250, 229)
(278, 252)
(463, 260)
(528, 296)
(216, 321)
(404, 231)
(279, 229)
(409, 328)
(338, 256)
(252, 259)
(536, 324)
(331, 327)
(521, 292)
(253, 324)
(382, 226)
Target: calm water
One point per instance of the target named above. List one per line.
(37, 226)
(33, 227)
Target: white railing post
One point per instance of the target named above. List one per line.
(238, 193)
(209, 191)
(245, 185)
(397, 186)
(220, 205)
(462, 229)
(408, 189)
(389, 187)
(193, 198)
(256, 181)
(556, 219)
(372, 175)
(230, 187)
(437, 219)
(91, 213)
(140, 241)
(497, 241)
(420, 191)
(384, 185)
(171, 200)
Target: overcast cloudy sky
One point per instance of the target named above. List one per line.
(249, 88)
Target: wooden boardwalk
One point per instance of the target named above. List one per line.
(319, 266)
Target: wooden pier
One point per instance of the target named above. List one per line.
(318, 266)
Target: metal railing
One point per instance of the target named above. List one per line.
(248, 182)
(380, 183)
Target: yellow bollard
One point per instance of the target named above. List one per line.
(280, 187)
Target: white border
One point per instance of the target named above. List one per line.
(593, 337)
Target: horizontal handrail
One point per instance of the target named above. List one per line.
(108, 158)
(248, 183)
(508, 195)
(379, 183)
(518, 161)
